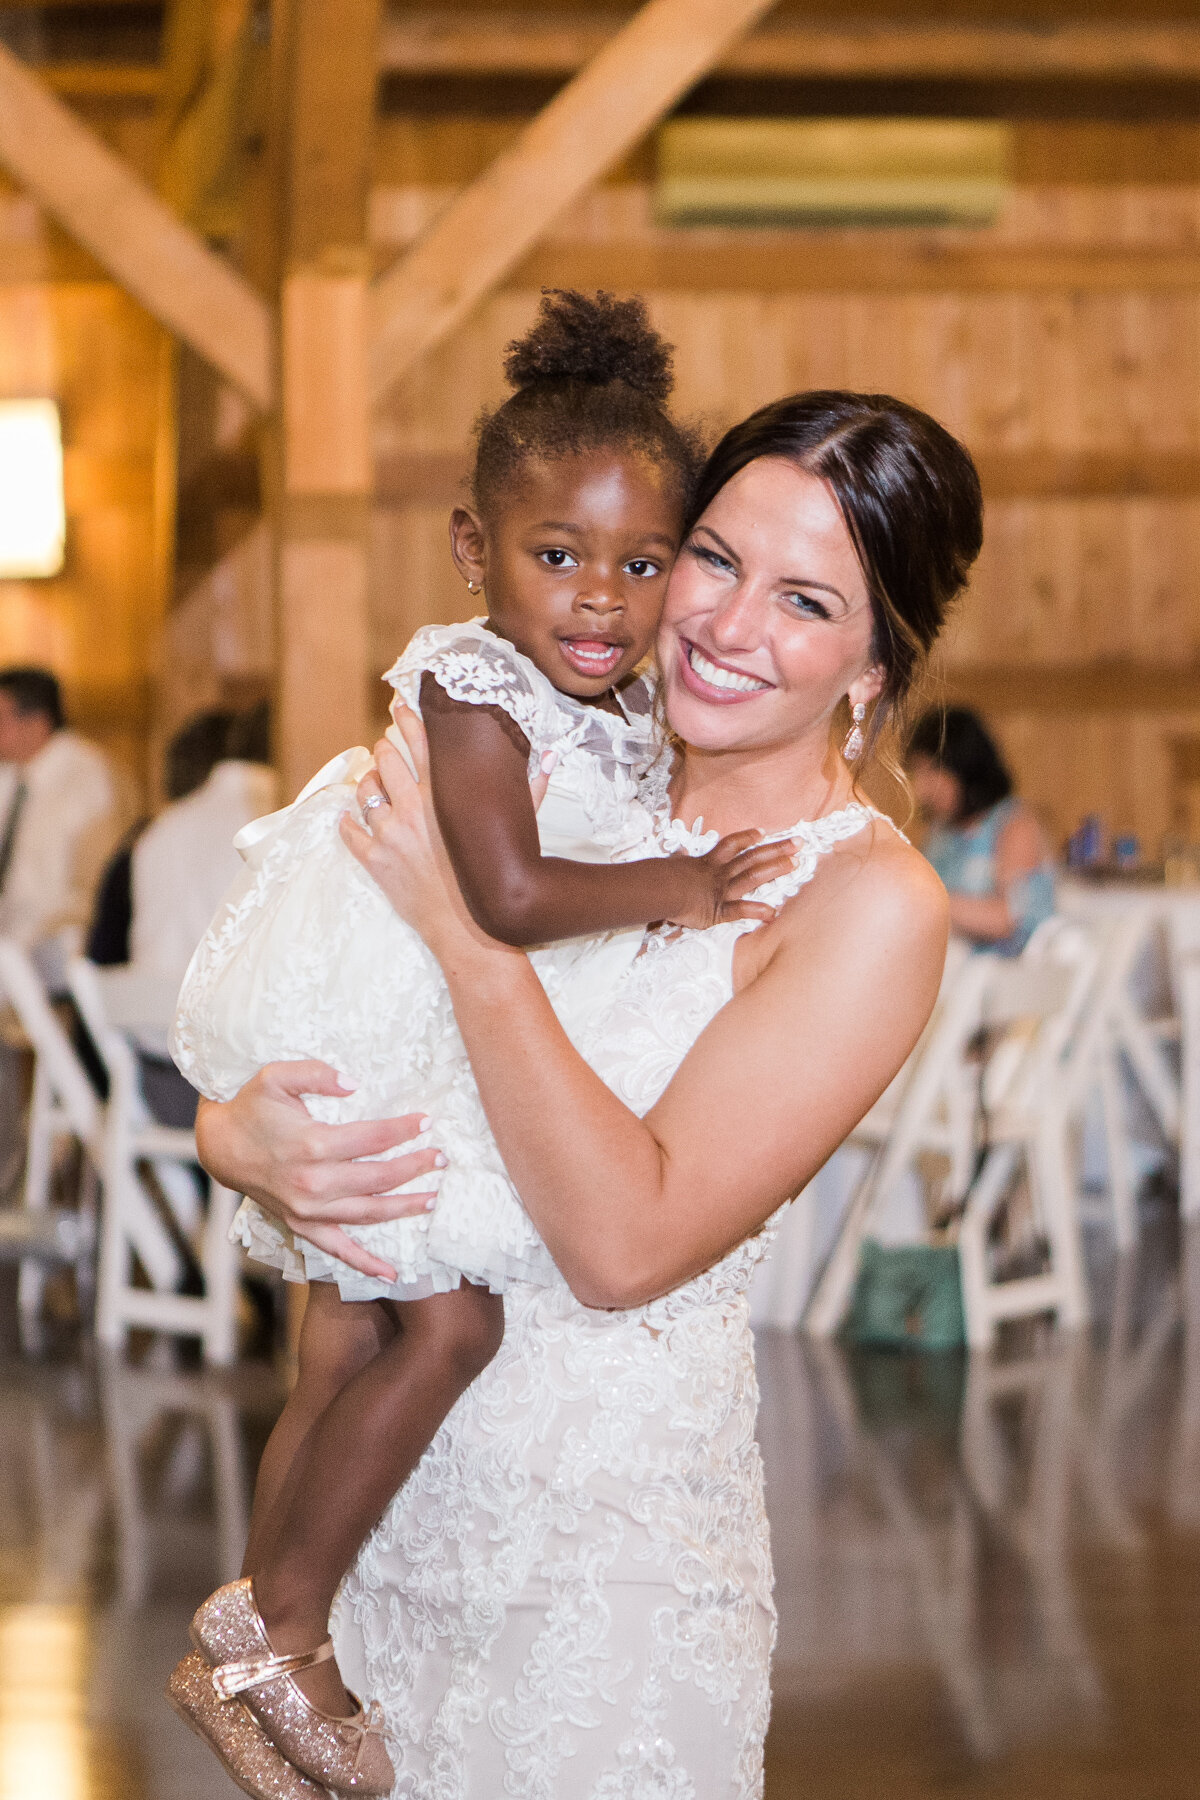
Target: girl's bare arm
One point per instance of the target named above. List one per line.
(837, 994)
(480, 788)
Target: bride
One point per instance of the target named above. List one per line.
(571, 1597)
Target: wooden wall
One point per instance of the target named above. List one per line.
(1063, 345)
(69, 334)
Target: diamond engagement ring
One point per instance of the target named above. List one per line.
(372, 801)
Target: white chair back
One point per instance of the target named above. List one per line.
(63, 1104)
(115, 1003)
(1033, 1006)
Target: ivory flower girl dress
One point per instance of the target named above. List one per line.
(306, 958)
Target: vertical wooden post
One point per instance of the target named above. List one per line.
(323, 504)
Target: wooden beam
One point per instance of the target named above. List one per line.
(634, 79)
(1040, 474)
(434, 42)
(1102, 687)
(103, 80)
(322, 513)
(438, 477)
(97, 198)
(796, 263)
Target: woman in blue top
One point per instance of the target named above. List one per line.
(985, 843)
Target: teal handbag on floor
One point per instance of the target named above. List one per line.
(907, 1297)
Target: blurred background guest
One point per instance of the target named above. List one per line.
(185, 860)
(985, 842)
(60, 815)
(190, 758)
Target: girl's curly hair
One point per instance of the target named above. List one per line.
(591, 373)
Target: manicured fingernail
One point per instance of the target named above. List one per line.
(424, 1122)
(439, 1161)
(549, 758)
(347, 1085)
(431, 1203)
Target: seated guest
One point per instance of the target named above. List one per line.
(185, 860)
(984, 842)
(190, 758)
(182, 864)
(60, 815)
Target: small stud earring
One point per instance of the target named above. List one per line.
(473, 587)
(852, 749)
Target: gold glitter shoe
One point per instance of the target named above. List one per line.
(344, 1754)
(240, 1742)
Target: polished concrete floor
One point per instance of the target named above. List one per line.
(988, 1572)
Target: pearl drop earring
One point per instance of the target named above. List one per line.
(852, 749)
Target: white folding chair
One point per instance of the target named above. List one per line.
(1033, 1006)
(1029, 1100)
(928, 1108)
(115, 1004)
(1183, 938)
(1119, 1034)
(63, 1105)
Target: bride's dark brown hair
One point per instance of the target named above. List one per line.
(909, 493)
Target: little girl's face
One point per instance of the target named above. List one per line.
(574, 564)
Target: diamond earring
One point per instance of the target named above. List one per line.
(852, 749)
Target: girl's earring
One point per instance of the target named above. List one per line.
(852, 749)
(473, 587)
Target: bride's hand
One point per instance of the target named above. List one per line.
(310, 1176)
(402, 849)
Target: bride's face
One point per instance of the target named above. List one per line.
(767, 623)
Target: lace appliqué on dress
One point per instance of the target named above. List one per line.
(571, 1598)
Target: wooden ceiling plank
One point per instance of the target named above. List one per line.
(102, 80)
(434, 42)
(815, 264)
(103, 204)
(636, 78)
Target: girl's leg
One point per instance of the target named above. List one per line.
(357, 1454)
(336, 1341)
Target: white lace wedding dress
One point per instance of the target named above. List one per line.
(306, 958)
(571, 1597)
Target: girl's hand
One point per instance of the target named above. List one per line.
(264, 1143)
(733, 868)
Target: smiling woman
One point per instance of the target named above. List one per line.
(573, 1593)
(855, 478)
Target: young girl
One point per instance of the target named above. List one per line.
(580, 490)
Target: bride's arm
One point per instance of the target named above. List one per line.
(630, 1207)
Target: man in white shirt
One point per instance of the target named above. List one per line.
(181, 867)
(185, 860)
(60, 817)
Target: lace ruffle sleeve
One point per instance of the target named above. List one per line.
(473, 665)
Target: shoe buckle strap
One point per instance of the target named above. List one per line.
(235, 1678)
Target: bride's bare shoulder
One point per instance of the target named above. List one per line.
(873, 889)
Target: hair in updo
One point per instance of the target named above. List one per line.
(591, 373)
(910, 496)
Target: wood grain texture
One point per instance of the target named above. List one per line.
(102, 203)
(321, 508)
(628, 85)
(103, 359)
(1080, 635)
(814, 266)
(437, 41)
